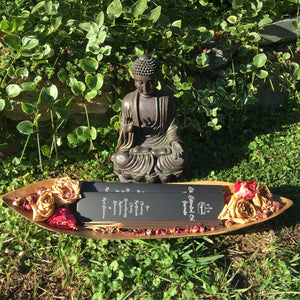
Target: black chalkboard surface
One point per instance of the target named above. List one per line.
(102, 201)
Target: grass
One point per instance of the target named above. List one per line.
(260, 262)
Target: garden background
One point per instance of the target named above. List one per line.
(64, 68)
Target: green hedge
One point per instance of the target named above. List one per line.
(85, 48)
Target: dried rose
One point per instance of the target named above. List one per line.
(276, 205)
(263, 191)
(44, 207)
(228, 223)
(258, 201)
(63, 218)
(40, 190)
(29, 200)
(244, 211)
(66, 191)
(238, 211)
(245, 189)
(17, 201)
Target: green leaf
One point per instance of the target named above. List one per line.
(29, 42)
(100, 19)
(297, 74)
(106, 50)
(63, 76)
(56, 22)
(38, 6)
(139, 7)
(259, 60)
(63, 113)
(9, 105)
(155, 14)
(138, 50)
(261, 74)
(6, 26)
(250, 100)
(244, 50)
(85, 26)
(46, 151)
(286, 55)
(28, 108)
(187, 294)
(94, 82)
(101, 37)
(254, 37)
(13, 90)
(48, 7)
(213, 122)
(203, 2)
(202, 60)
(13, 41)
(90, 94)
(2, 104)
(25, 127)
(78, 87)
(11, 72)
(266, 20)
(72, 139)
(164, 20)
(18, 24)
(49, 93)
(27, 87)
(115, 122)
(276, 65)
(89, 65)
(176, 27)
(91, 133)
(26, 53)
(80, 132)
(93, 31)
(114, 9)
(25, 14)
(22, 72)
(47, 52)
(232, 19)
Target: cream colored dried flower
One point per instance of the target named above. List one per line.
(44, 207)
(238, 211)
(66, 191)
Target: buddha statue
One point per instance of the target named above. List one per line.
(149, 147)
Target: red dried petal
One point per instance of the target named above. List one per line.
(245, 189)
(29, 199)
(63, 218)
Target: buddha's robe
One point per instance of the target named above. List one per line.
(148, 147)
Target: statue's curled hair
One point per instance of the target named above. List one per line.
(145, 65)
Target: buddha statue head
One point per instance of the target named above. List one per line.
(145, 71)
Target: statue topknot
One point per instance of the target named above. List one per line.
(145, 65)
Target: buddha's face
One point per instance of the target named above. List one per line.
(146, 85)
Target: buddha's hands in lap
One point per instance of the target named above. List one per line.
(177, 150)
(160, 152)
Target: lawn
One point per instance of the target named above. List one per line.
(260, 262)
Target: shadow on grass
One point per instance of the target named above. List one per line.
(223, 149)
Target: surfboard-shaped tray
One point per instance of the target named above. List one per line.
(127, 227)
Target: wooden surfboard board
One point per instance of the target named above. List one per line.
(129, 226)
